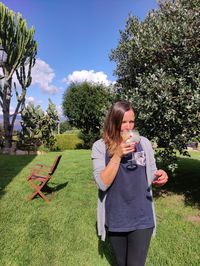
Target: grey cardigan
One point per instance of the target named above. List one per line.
(98, 161)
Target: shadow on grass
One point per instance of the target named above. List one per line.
(57, 187)
(185, 181)
(50, 190)
(105, 250)
(10, 166)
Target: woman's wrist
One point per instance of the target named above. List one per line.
(117, 155)
(114, 162)
(115, 159)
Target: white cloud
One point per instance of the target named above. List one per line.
(30, 100)
(59, 110)
(88, 75)
(43, 75)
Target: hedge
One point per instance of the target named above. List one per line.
(67, 142)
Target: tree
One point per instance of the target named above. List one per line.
(38, 127)
(85, 105)
(21, 49)
(51, 120)
(65, 126)
(32, 119)
(158, 69)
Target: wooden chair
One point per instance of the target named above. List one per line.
(40, 176)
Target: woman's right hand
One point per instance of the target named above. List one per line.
(110, 171)
(124, 148)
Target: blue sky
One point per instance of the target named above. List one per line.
(75, 38)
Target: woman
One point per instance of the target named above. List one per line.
(125, 206)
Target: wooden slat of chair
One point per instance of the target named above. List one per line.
(46, 168)
(43, 179)
(38, 190)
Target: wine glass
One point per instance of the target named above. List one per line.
(131, 136)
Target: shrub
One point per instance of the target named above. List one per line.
(67, 142)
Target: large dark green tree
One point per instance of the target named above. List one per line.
(85, 104)
(158, 70)
(64, 126)
(17, 41)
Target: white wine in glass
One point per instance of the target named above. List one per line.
(131, 136)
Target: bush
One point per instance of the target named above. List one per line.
(67, 142)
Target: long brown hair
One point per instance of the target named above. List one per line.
(112, 125)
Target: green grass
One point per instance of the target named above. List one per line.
(63, 232)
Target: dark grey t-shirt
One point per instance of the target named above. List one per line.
(129, 202)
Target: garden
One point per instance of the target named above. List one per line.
(63, 231)
(157, 70)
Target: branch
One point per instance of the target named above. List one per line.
(15, 66)
(15, 113)
(20, 101)
(13, 70)
(18, 77)
(16, 92)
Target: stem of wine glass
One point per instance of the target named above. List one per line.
(132, 157)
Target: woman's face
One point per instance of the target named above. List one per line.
(128, 121)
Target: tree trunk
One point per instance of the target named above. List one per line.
(8, 128)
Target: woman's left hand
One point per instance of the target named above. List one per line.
(161, 178)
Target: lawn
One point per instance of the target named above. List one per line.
(63, 232)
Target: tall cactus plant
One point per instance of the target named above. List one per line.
(17, 41)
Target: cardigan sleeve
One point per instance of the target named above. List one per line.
(151, 162)
(98, 162)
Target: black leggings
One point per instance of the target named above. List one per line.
(131, 248)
